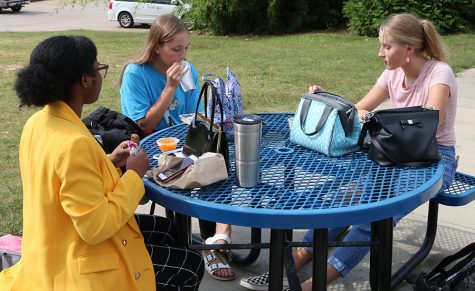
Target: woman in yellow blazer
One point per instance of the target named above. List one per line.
(79, 229)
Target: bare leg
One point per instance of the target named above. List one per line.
(301, 257)
(332, 275)
(223, 228)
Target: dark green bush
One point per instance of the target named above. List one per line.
(449, 16)
(323, 14)
(286, 15)
(265, 16)
(227, 16)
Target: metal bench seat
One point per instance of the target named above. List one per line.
(461, 192)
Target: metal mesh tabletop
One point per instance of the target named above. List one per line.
(306, 188)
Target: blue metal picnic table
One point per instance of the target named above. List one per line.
(300, 188)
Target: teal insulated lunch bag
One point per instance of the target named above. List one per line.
(326, 123)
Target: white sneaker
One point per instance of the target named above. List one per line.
(260, 282)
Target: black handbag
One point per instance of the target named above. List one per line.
(110, 128)
(203, 134)
(460, 276)
(401, 136)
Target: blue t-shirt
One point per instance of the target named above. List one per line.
(141, 87)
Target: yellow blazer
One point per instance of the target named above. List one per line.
(79, 232)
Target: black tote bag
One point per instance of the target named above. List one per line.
(453, 273)
(401, 136)
(203, 134)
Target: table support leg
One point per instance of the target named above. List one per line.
(290, 269)
(276, 259)
(152, 208)
(424, 250)
(169, 214)
(381, 255)
(320, 256)
(182, 223)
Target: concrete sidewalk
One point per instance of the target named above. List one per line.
(456, 224)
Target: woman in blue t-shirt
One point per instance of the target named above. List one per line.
(155, 89)
(150, 89)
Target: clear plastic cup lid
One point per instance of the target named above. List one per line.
(247, 119)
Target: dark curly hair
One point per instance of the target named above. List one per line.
(55, 65)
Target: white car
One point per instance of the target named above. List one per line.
(14, 5)
(130, 12)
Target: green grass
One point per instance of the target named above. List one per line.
(273, 71)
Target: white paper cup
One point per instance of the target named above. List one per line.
(187, 82)
(187, 118)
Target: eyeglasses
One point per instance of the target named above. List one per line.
(104, 67)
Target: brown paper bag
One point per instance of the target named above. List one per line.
(207, 169)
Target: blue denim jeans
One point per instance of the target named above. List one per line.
(344, 259)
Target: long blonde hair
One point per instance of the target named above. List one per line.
(163, 30)
(408, 29)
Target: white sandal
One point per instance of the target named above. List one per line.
(216, 255)
(220, 236)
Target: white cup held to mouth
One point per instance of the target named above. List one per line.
(187, 82)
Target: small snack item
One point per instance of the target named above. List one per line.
(135, 138)
(134, 143)
(167, 143)
(133, 147)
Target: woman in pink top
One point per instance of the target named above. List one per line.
(415, 74)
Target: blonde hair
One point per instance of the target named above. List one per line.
(163, 29)
(408, 29)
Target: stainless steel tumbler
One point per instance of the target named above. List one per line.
(247, 143)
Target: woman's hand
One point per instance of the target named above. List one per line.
(174, 74)
(314, 89)
(138, 163)
(119, 156)
(362, 112)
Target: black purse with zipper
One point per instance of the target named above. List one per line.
(401, 136)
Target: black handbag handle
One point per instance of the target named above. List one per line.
(345, 109)
(214, 102)
(347, 117)
(364, 130)
(304, 113)
(468, 251)
(366, 119)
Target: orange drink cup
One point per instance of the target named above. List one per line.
(167, 143)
